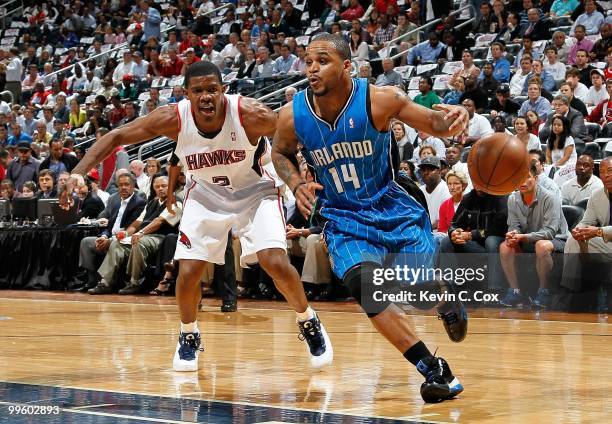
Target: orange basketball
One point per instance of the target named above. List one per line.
(498, 164)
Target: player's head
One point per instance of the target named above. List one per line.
(204, 86)
(328, 63)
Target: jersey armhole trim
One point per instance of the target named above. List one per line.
(178, 115)
(240, 112)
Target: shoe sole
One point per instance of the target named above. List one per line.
(436, 393)
(327, 357)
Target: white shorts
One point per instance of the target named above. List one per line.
(257, 218)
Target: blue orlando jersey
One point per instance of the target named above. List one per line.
(350, 156)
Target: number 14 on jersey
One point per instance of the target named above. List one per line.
(349, 175)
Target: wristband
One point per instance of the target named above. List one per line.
(296, 187)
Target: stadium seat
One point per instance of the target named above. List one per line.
(593, 150)
(582, 204)
(573, 215)
(593, 129)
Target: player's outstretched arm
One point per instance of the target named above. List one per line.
(162, 121)
(394, 103)
(258, 119)
(284, 150)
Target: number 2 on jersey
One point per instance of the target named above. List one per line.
(349, 175)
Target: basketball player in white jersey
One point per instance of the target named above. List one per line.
(221, 143)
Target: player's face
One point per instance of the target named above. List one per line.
(324, 67)
(206, 96)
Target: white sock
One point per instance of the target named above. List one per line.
(517, 291)
(191, 327)
(306, 315)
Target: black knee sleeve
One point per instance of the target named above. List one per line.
(359, 281)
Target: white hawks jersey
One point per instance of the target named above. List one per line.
(227, 163)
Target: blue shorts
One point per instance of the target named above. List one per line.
(393, 231)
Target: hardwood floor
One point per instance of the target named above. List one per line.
(515, 367)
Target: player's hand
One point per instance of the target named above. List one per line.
(305, 197)
(458, 115)
(170, 202)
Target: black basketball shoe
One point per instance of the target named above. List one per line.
(319, 345)
(453, 314)
(440, 383)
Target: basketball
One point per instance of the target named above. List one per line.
(498, 164)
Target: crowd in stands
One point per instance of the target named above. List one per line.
(541, 70)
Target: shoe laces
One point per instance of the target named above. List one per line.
(309, 329)
(190, 343)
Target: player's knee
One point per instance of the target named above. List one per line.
(359, 281)
(190, 272)
(274, 262)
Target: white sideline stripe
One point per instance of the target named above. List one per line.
(215, 309)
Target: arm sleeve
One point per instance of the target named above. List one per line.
(514, 224)
(550, 225)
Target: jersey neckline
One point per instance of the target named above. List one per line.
(310, 102)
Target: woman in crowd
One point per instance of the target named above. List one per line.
(78, 116)
(561, 148)
(404, 145)
(359, 48)
(499, 125)
(521, 127)
(533, 122)
(29, 189)
(457, 183)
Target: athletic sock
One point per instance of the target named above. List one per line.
(191, 327)
(517, 291)
(418, 353)
(306, 315)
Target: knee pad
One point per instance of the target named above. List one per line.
(359, 281)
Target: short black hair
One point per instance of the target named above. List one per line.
(540, 153)
(340, 44)
(202, 69)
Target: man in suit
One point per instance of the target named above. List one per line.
(146, 233)
(592, 236)
(561, 106)
(88, 204)
(536, 28)
(46, 185)
(122, 209)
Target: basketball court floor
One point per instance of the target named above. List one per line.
(72, 358)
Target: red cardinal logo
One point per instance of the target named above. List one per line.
(184, 239)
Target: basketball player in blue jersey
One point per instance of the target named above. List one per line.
(220, 139)
(343, 126)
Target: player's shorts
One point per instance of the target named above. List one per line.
(256, 217)
(396, 230)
